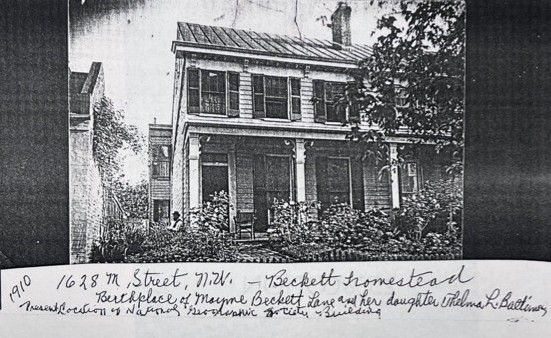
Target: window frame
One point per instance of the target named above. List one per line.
(417, 177)
(350, 193)
(324, 101)
(228, 111)
(262, 96)
(157, 163)
(157, 207)
(399, 94)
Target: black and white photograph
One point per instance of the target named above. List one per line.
(276, 131)
(220, 168)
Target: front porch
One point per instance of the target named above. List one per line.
(255, 171)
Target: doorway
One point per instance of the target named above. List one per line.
(271, 180)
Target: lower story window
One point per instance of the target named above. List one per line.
(333, 180)
(161, 210)
(410, 178)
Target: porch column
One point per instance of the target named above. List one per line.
(394, 181)
(232, 186)
(301, 175)
(194, 172)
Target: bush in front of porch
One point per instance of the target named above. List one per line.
(427, 223)
(207, 240)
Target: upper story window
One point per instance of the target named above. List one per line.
(161, 162)
(400, 98)
(272, 97)
(213, 92)
(326, 106)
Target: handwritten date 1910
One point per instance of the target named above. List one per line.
(19, 288)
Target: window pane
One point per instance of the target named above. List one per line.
(276, 86)
(409, 178)
(213, 103)
(276, 108)
(338, 180)
(330, 108)
(276, 97)
(161, 153)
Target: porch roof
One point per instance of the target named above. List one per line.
(276, 129)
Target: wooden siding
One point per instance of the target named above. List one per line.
(160, 189)
(306, 93)
(245, 95)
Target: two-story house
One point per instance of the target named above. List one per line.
(254, 115)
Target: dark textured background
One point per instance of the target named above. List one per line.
(508, 176)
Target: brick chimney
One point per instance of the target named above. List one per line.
(340, 24)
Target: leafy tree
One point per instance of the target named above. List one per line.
(133, 198)
(111, 134)
(418, 59)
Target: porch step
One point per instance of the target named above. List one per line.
(259, 237)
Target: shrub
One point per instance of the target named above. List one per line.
(294, 232)
(116, 243)
(292, 223)
(203, 237)
(345, 228)
(435, 209)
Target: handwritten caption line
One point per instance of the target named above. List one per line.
(150, 291)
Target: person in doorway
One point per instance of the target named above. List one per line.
(177, 222)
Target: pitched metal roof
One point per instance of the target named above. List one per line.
(269, 44)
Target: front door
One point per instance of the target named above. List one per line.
(271, 181)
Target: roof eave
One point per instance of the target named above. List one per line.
(248, 53)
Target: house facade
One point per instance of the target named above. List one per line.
(160, 150)
(254, 115)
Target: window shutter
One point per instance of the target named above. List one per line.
(155, 210)
(295, 100)
(194, 94)
(319, 102)
(233, 94)
(354, 112)
(353, 107)
(358, 200)
(259, 110)
(321, 181)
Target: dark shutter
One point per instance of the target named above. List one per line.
(156, 210)
(353, 107)
(319, 102)
(321, 181)
(295, 100)
(259, 110)
(354, 112)
(233, 94)
(357, 184)
(194, 98)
